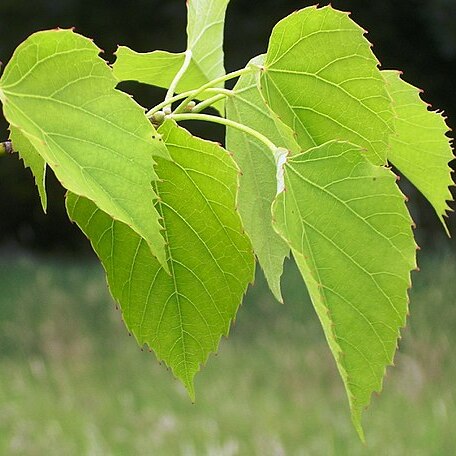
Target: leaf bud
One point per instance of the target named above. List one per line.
(190, 106)
(159, 117)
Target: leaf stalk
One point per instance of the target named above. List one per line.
(228, 123)
(209, 102)
(179, 74)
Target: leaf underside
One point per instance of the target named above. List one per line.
(420, 148)
(355, 249)
(322, 79)
(258, 182)
(156, 68)
(206, 20)
(61, 97)
(183, 315)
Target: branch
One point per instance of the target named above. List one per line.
(6, 148)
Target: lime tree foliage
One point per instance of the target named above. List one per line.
(178, 222)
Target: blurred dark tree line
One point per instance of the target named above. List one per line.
(416, 36)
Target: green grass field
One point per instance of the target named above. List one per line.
(72, 382)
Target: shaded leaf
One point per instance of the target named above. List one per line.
(33, 160)
(321, 77)
(350, 233)
(258, 181)
(183, 315)
(420, 148)
(61, 96)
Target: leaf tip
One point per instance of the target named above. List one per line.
(190, 388)
(356, 420)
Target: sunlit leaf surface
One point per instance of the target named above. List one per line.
(321, 77)
(420, 148)
(350, 233)
(60, 95)
(180, 315)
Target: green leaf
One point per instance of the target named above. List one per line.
(206, 20)
(183, 315)
(350, 233)
(420, 148)
(33, 160)
(321, 78)
(61, 96)
(258, 183)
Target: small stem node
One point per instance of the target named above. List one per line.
(158, 118)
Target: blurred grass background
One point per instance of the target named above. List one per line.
(73, 383)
